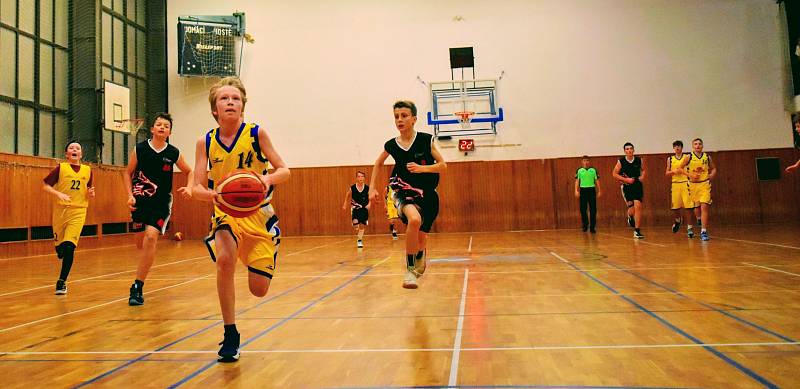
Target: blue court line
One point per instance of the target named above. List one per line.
(683, 333)
(276, 325)
(724, 312)
(512, 386)
(204, 329)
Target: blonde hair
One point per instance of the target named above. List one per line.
(227, 81)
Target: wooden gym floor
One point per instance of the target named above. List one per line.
(544, 309)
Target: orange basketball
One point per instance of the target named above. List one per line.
(241, 193)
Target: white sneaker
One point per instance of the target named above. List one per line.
(360, 244)
(410, 282)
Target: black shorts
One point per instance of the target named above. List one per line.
(633, 191)
(427, 204)
(153, 215)
(360, 216)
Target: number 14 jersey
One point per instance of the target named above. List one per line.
(244, 153)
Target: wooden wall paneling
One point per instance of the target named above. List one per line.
(475, 196)
(735, 190)
(777, 198)
(532, 192)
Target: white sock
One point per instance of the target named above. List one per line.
(688, 227)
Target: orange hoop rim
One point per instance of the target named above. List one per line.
(132, 124)
(464, 114)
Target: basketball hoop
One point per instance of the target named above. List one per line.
(464, 118)
(128, 126)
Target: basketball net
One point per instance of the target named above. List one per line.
(129, 126)
(464, 118)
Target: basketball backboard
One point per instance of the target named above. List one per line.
(116, 106)
(448, 98)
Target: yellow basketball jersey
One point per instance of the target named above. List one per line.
(699, 165)
(244, 154)
(675, 164)
(73, 184)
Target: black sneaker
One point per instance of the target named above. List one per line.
(136, 297)
(676, 226)
(637, 235)
(229, 352)
(394, 235)
(584, 228)
(631, 221)
(592, 230)
(61, 287)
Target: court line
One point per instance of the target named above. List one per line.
(469, 247)
(609, 269)
(280, 323)
(635, 240)
(775, 270)
(97, 306)
(761, 243)
(161, 350)
(409, 350)
(76, 251)
(101, 276)
(508, 387)
(755, 376)
(459, 330)
(317, 247)
(728, 314)
(155, 266)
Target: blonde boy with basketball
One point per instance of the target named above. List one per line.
(70, 183)
(680, 196)
(701, 170)
(238, 145)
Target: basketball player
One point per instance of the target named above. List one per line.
(148, 180)
(71, 184)
(587, 190)
(358, 199)
(414, 180)
(679, 191)
(252, 239)
(701, 170)
(391, 211)
(630, 171)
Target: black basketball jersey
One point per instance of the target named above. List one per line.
(361, 198)
(630, 169)
(419, 153)
(152, 179)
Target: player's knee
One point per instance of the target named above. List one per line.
(150, 239)
(259, 290)
(226, 263)
(258, 284)
(414, 221)
(67, 247)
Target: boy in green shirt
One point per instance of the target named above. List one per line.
(587, 189)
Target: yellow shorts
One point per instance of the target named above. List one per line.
(681, 198)
(701, 192)
(68, 223)
(391, 210)
(257, 237)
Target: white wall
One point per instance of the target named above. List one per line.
(581, 76)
